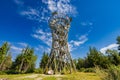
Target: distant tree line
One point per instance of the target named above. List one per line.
(94, 58)
(25, 61)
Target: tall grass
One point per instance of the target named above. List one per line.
(113, 73)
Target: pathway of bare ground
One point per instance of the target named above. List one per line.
(38, 77)
(76, 76)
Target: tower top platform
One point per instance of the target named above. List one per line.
(59, 20)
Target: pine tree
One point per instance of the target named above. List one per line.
(4, 56)
(44, 60)
(118, 42)
(25, 62)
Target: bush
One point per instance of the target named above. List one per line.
(2, 72)
(12, 72)
(82, 69)
(113, 73)
(39, 70)
(89, 70)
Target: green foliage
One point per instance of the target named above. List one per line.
(39, 71)
(12, 72)
(5, 57)
(112, 73)
(89, 70)
(80, 63)
(118, 40)
(44, 60)
(82, 69)
(25, 62)
(113, 57)
(93, 57)
(2, 72)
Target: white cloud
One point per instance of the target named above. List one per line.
(86, 23)
(76, 43)
(42, 13)
(40, 48)
(111, 46)
(15, 49)
(61, 6)
(71, 47)
(39, 15)
(19, 2)
(23, 44)
(45, 37)
(31, 14)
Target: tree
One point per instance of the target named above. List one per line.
(113, 57)
(118, 42)
(44, 60)
(5, 56)
(96, 58)
(93, 57)
(80, 63)
(25, 62)
(8, 62)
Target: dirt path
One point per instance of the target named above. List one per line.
(38, 79)
(32, 76)
(39, 76)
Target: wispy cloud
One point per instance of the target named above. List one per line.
(41, 48)
(86, 23)
(45, 37)
(37, 13)
(111, 47)
(32, 14)
(76, 43)
(15, 49)
(61, 6)
(19, 2)
(22, 44)
(42, 13)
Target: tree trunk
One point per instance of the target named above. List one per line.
(1, 65)
(21, 65)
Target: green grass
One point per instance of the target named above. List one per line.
(74, 76)
(81, 76)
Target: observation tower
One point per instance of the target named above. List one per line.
(60, 59)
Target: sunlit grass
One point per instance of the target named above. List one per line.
(81, 76)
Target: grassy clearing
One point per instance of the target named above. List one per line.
(81, 76)
(74, 76)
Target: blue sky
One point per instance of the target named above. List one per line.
(94, 23)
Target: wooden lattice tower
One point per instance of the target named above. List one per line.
(60, 59)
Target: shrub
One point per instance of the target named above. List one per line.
(2, 73)
(39, 70)
(82, 69)
(113, 73)
(12, 72)
(89, 70)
